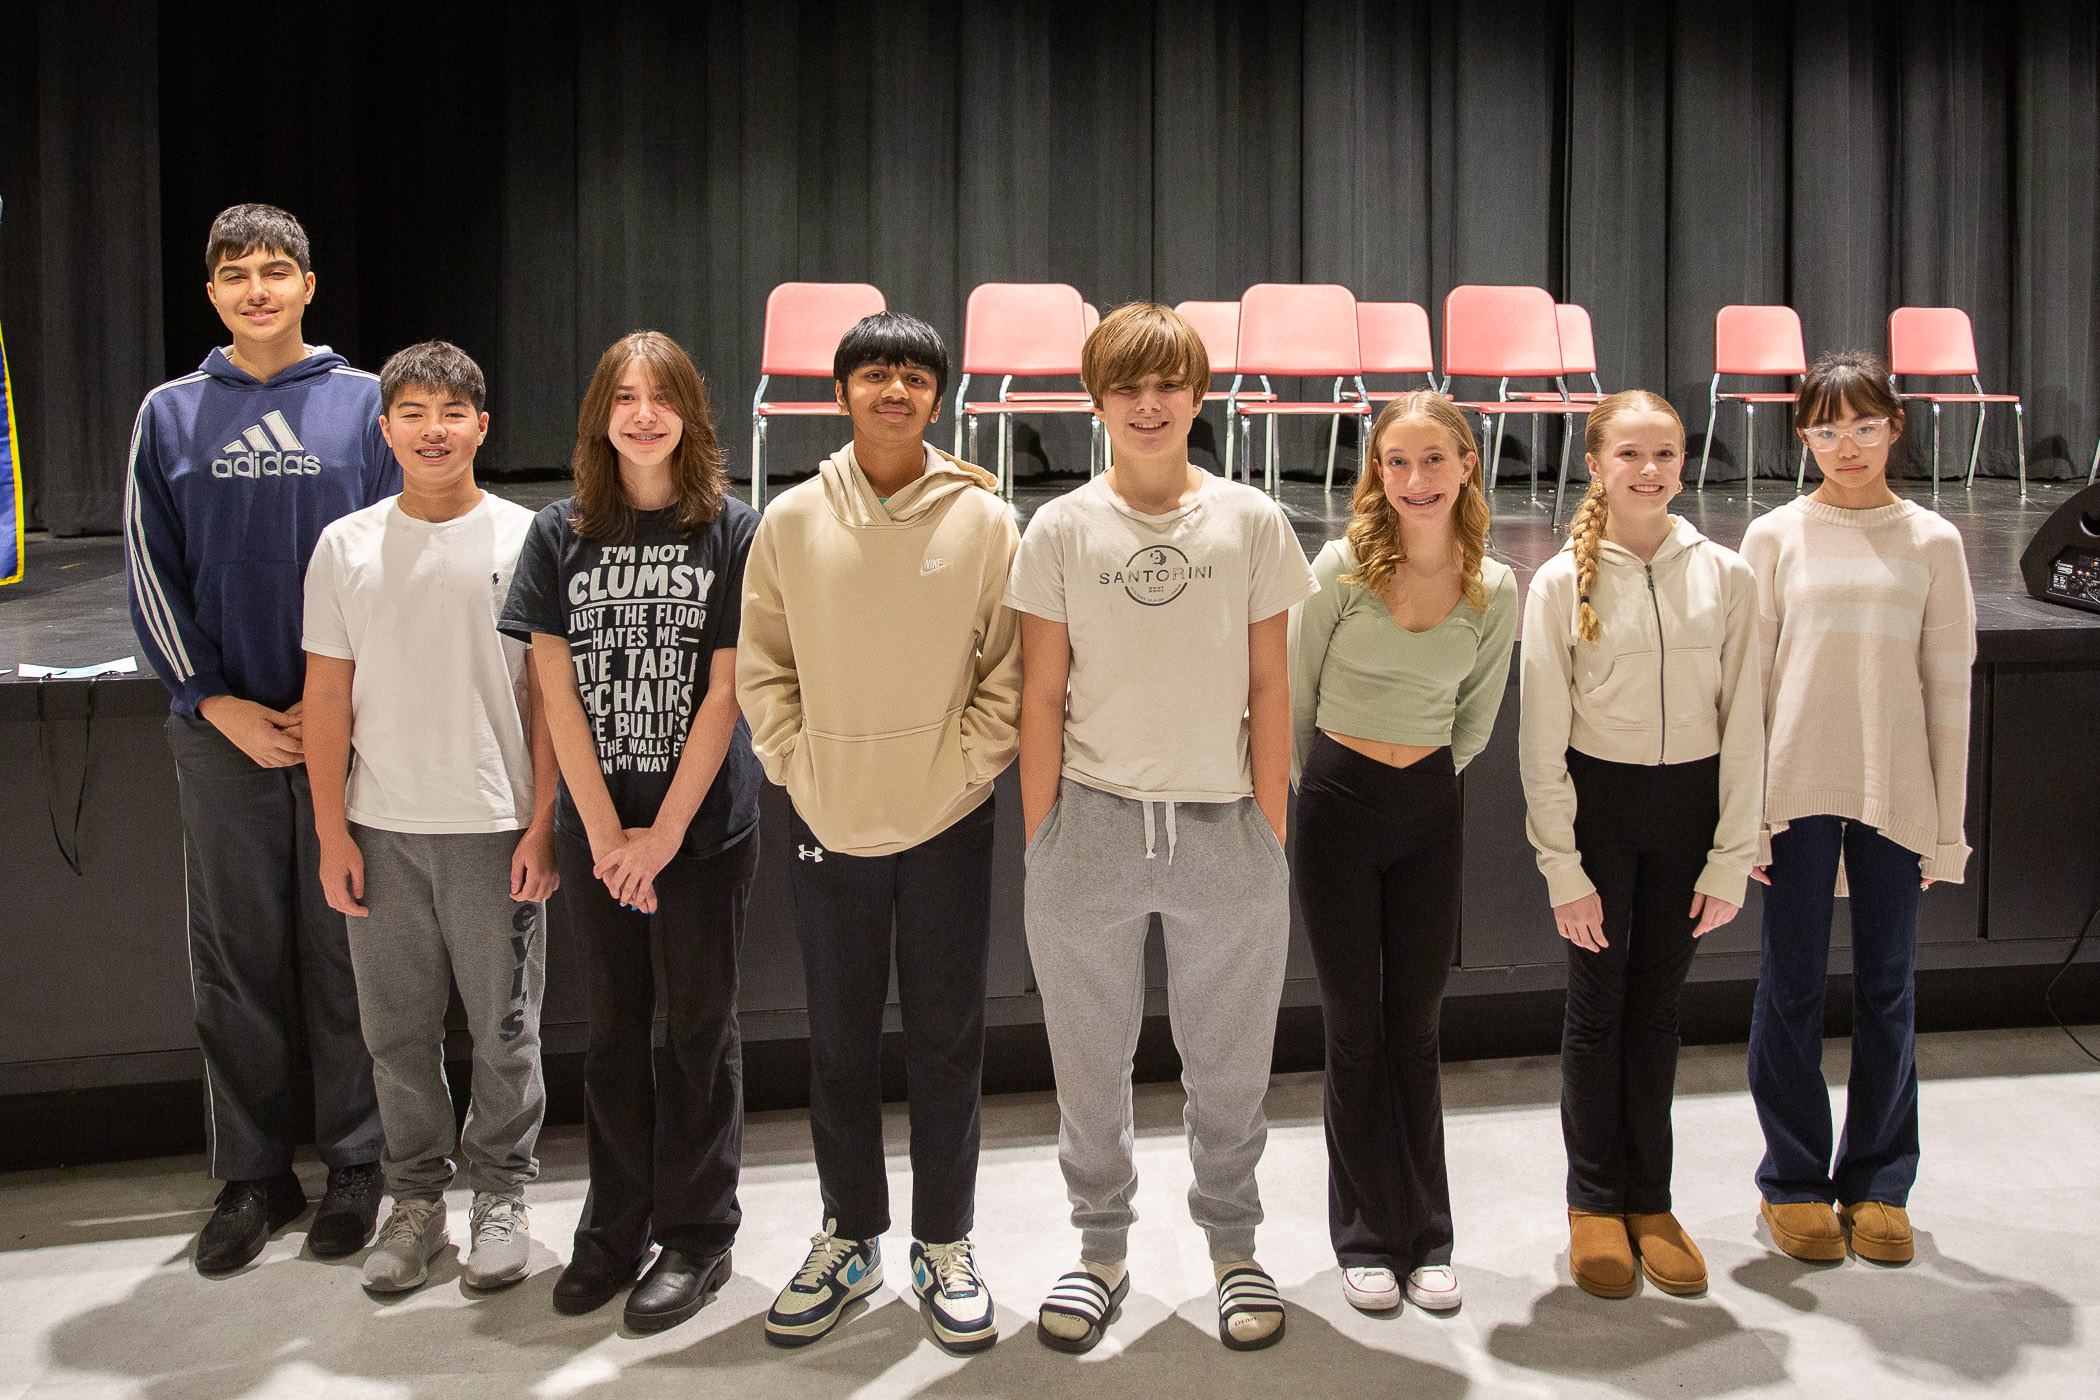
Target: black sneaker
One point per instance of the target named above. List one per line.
(248, 1212)
(349, 1209)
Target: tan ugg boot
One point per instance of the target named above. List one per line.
(1668, 1257)
(1880, 1231)
(1600, 1255)
(1805, 1229)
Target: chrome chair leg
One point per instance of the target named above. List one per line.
(2020, 430)
(758, 463)
(1975, 447)
(1713, 409)
(1560, 486)
(1935, 454)
(1534, 463)
(1750, 453)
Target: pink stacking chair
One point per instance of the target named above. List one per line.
(1217, 324)
(1506, 333)
(1754, 340)
(1304, 330)
(1938, 341)
(804, 323)
(1020, 330)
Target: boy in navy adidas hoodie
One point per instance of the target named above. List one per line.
(234, 472)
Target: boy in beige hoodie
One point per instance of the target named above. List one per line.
(881, 675)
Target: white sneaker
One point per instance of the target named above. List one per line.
(1371, 1290)
(502, 1241)
(1434, 1287)
(958, 1305)
(412, 1236)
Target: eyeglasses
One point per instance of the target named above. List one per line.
(1870, 432)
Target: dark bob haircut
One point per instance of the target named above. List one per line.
(891, 338)
(244, 228)
(435, 364)
(1855, 381)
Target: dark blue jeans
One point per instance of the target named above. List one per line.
(1877, 1157)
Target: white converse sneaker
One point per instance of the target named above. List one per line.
(502, 1241)
(1371, 1289)
(958, 1305)
(412, 1236)
(1434, 1287)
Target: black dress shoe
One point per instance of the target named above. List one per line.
(349, 1209)
(247, 1213)
(586, 1286)
(677, 1286)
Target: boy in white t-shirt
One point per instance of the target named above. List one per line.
(1155, 596)
(420, 838)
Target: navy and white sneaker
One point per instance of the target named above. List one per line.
(835, 1273)
(956, 1303)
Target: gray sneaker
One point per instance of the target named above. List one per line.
(502, 1240)
(412, 1236)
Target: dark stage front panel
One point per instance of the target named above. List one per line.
(2044, 854)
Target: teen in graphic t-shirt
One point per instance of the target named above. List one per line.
(630, 595)
(1155, 763)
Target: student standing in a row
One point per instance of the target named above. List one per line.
(630, 593)
(1868, 626)
(1642, 748)
(234, 472)
(1155, 766)
(1398, 666)
(882, 678)
(437, 837)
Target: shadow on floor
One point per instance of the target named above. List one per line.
(1935, 1319)
(1650, 1344)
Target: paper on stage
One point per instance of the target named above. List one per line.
(122, 666)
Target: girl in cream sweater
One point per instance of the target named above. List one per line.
(1868, 630)
(1641, 746)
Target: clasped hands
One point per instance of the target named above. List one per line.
(629, 864)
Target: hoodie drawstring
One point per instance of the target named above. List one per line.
(1171, 834)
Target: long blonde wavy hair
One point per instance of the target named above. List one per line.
(1587, 528)
(1374, 529)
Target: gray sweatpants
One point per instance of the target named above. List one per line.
(1098, 868)
(442, 913)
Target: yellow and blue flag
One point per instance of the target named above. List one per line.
(10, 478)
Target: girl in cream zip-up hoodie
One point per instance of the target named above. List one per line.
(894, 699)
(1642, 751)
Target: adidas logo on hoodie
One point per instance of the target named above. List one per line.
(268, 448)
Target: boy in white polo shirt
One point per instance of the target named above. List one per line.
(424, 850)
(1156, 595)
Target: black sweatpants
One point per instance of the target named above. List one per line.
(1376, 876)
(664, 1132)
(1644, 832)
(269, 966)
(934, 901)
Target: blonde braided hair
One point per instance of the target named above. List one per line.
(1374, 526)
(1586, 530)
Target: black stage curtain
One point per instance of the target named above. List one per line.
(535, 179)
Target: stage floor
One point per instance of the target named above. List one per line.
(69, 609)
(98, 1297)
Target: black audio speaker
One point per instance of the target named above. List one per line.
(2062, 562)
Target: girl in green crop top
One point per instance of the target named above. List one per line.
(1398, 665)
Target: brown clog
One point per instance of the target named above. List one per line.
(1808, 1230)
(1880, 1231)
(1668, 1257)
(1600, 1255)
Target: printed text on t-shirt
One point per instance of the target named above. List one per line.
(634, 623)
